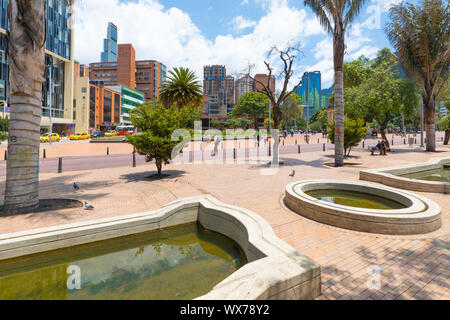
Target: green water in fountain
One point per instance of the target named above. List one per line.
(355, 199)
(439, 175)
(184, 262)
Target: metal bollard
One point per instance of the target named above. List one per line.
(363, 144)
(6, 155)
(415, 141)
(296, 142)
(404, 141)
(299, 149)
(324, 147)
(318, 141)
(392, 141)
(60, 165)
(270, 148)
(45, 154)
(107, 151)
(234, 153)
(134, 160)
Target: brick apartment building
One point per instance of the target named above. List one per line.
(95, 107)
(248, 84)
(145, 76)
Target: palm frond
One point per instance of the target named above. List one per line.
(322, 9)
(354, 8)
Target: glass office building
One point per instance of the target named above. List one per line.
(109, 53)
(58, 85)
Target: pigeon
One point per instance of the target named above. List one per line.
(75, 186)
(88, 206)
(292, 174)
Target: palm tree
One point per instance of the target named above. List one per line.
(182, 88)
(421, 37)
(336, 16)
(27, 67)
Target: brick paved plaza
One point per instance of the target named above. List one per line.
(411, 267)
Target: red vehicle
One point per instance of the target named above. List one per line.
(125, 130)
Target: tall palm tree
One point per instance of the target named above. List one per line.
(336, 16)
(27, 67)
(421, 37)
(182, 88)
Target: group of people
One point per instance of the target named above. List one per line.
(383, 146)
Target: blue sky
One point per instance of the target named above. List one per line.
(232, 32)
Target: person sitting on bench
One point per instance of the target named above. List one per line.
(380, 146)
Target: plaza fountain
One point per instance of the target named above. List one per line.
(432, 176)
(363, 207)
(192, 248)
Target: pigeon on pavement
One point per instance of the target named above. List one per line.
(292, 174)
(75, 186)
(88, 206)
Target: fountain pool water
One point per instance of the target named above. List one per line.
(355, 199)
(182, 262)
(439, 175)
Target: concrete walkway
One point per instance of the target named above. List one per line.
(353, 263)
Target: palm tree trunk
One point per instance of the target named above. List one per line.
(339, 49)
(27, 66)
(430, 123)
(447, 137)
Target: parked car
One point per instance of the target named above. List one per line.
(80, 136)
(98, 134)
(111, 133)
(46, 137)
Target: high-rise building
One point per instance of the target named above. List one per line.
(264, 78)
(109, 53)
(310, 90)
(218, 93)
(145, 76)
(57, 88)
(150, 75)
(130, 99)
(95, 107)
(244, 85)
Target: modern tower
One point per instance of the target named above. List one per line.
(218, 93)
(57, 89)
(109, 53)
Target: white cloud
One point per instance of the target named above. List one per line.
(169, 35)
(240, 23)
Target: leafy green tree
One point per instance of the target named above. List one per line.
(290, 110)
(319, 120)
(354, 131)
(254, 105)
(238, 123)
(217, 124)
(181, 87)
(188, 115)
(156, 124)
(381, 96)
(336, 16)
(420, 35)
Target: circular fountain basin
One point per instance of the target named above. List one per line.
(363, 207)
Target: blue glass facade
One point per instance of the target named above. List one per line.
(4, 24)
(311, 91)
(58, 41)
(109, 53)
(58, 22)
